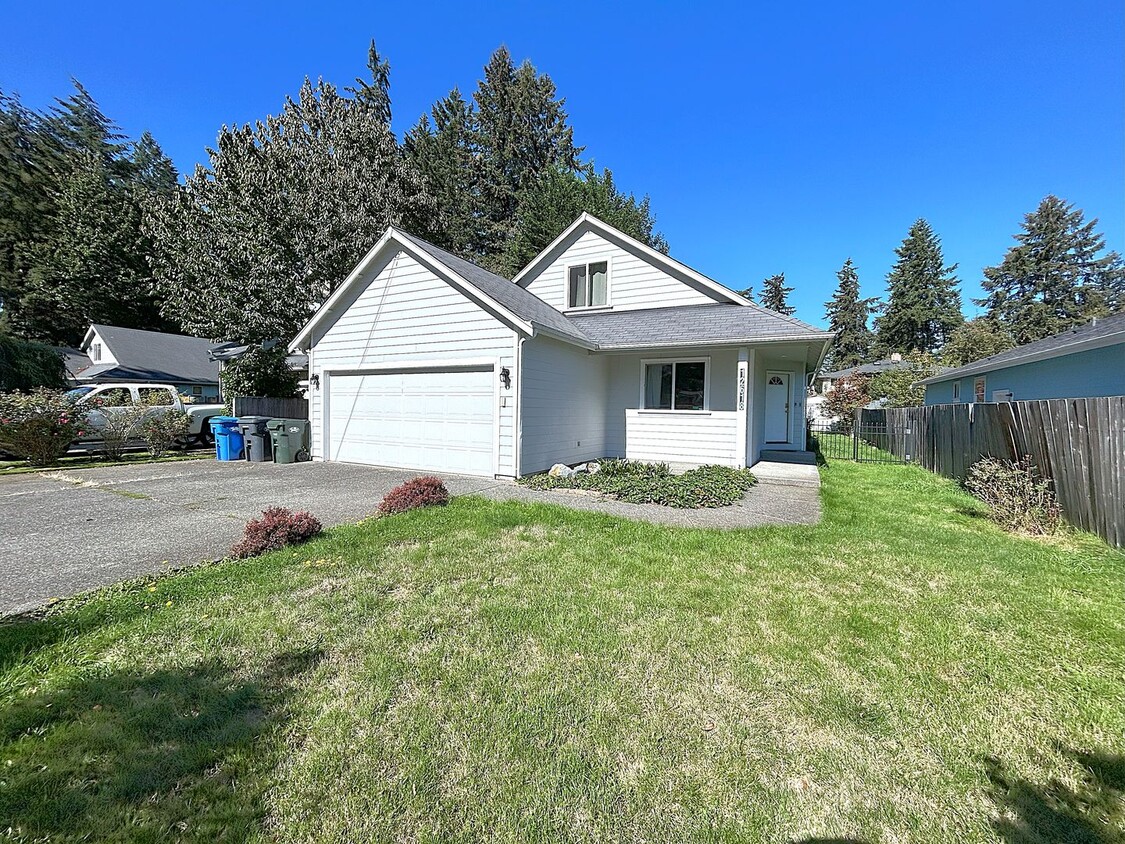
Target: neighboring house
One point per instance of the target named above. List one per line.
(133, 356)
(600, 347)
(1084, 362)
(827, 380)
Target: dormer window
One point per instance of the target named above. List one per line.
(588, 285)
(96, 351)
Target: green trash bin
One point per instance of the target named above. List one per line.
(290, 439)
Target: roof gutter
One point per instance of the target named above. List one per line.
(825, 338)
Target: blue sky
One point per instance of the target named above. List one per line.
(771, 137)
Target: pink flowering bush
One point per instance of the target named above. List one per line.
(38, 426)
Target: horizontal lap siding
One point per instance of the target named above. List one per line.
(634, 283)
(563, 417)
(678, 438)
(406, 314)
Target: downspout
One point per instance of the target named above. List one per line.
(517, 411)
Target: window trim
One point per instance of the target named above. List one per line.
(980, 389)
(703, 359)
(589, 280)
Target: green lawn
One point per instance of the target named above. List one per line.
(508, 672)
(86, 461)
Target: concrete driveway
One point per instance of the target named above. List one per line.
(69, 531)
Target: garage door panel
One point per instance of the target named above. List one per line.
(431, 420)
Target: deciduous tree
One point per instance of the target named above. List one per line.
(978, 338)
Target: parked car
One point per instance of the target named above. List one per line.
(102, 399)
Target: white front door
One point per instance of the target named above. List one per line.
(777, 407)
(438, 421)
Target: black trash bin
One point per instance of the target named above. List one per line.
(257, 436)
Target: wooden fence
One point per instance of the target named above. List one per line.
(274, 408)
(1078, 443)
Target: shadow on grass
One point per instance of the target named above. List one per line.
(1094, 813)
(146, 756)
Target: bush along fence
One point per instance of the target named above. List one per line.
(274, 408)
(1078, 444)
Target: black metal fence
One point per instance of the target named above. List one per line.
(864, 438)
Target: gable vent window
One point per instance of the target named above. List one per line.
(589, 285)
(96, 351)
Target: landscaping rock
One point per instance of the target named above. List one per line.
(560, 470)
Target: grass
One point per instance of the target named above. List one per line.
(85, 461)
(509, 672)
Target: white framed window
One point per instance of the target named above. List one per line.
(956, 391)
(587, 285)
(95, 351)
(978, 389)
(676, 384)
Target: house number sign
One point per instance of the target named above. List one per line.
(741, 388)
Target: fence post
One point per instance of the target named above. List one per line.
(855, 434)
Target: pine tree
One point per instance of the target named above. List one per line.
(775, 295)
(847, 316)
(1053, 278)
(558, 198)
(71, 248)
(375, 93)
(284, 211)
(444, 154)
(521, 132)
(924, 306)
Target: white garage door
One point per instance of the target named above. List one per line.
(440, 421)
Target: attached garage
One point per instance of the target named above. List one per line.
(437, 419)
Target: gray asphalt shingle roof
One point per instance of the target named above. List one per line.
(1102, 327)
(154, 356)
(516, 299)
(692, 325)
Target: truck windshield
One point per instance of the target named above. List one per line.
(77, 393)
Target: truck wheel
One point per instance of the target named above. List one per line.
(205, 439)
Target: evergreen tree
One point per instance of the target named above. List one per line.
(71, 246)
(747, 293)
(978, 338)
(444, 153)
(1053, 278)
(284, 211)
(375, 93)
(924, 306)
(847, 316)
(775, 295)
(557, 199)
(521, 132)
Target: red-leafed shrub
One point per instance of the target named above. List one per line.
(277, 528)
(419, 492)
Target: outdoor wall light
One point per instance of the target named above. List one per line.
(505, 378)
(315, 381)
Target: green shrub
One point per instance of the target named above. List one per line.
(261, 372)
(28, 365)
(38, 426)
(1018, 499)
(161, 431)
(654, 483)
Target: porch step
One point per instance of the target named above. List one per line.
(786, 474)
(807, 458)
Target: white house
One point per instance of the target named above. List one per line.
(600, 347)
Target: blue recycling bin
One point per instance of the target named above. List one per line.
(228, 438)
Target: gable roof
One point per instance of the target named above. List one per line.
(518, 308)
(873, 368)
(693, 325)
(1101, 331)
(588, 222)
(151, 356)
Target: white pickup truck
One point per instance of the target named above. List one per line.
(101, 399)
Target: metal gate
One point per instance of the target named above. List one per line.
(863, 438)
